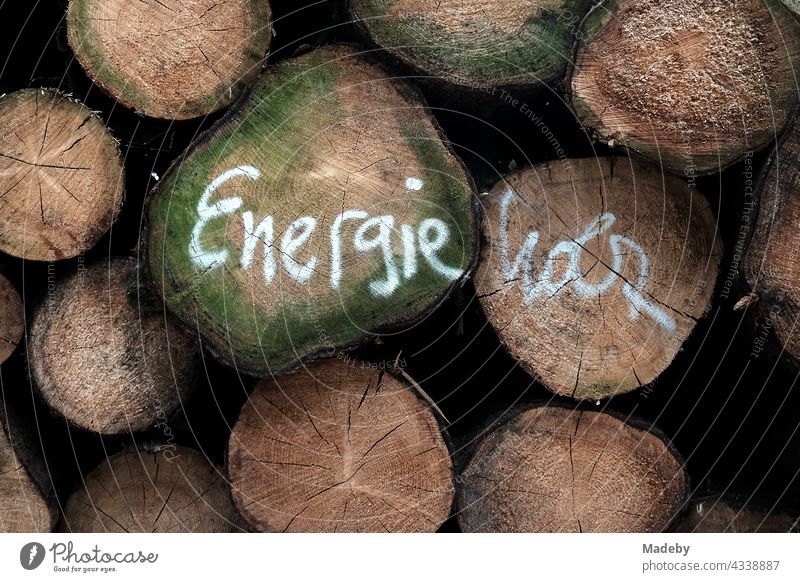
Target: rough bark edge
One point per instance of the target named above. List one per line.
(408, 93)
(509, 414)
(630, 150)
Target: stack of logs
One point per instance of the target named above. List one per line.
(327, 208)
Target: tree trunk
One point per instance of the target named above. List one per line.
(693, 84)
(326, 208)
(27, 501)
(723, 515)
(12, 319)
(772, 266)
(60, 174)
(101, 360)
(554, 469)
(476, 44)
(595, 271)
(168, 490)
(172, 59)
(339, 446)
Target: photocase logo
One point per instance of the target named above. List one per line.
(31, 555)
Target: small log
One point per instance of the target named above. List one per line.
(12, 319)
(476, 43)
(102, 361)
(693, 84)
(723, 515)
(595, 271)
(171, 59)
(339, 447)
(554, 469)
(771, 265)
(168, 490)
(27, 501)
(325, 209)
(61, 176)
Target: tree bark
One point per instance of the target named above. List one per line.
(476, 44)
(102, 360)
(339, 446)
(27, 500)
(167, 490)
(323, 210)
(12, 319)
(60, 174)
(554, 469)
(595, 271)
(693, 84)
(171, 59)
(725, 515)
(771, 266)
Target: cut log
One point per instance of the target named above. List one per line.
(694, 84)
(174, 489)
(721, 515)
(595, 271)
(102, 361)
(326, 209)
(341, 447)
(172, 59)
(27, 503)
(553, 469)
(12, 319)
(61, 176)
(476, 43)
(771, 266)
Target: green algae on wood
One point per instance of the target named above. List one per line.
(476, 43)
(324, 209)
(595, 271)
(692, 84)
(171, 59)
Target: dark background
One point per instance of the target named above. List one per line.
(731, 414)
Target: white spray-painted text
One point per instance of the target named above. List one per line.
(547, 284)
(371, 235)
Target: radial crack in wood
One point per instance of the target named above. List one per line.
(61, 177)
(339, 447)
(172, 59)
(553, 469)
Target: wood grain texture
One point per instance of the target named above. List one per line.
(61, 176)
(692, 84)
(12, 319)
(173, 490)
(553, 469)
(337, 447)
(300, 222)
(103, 362)
(595, 271)
(476, 43)
(172, 59)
